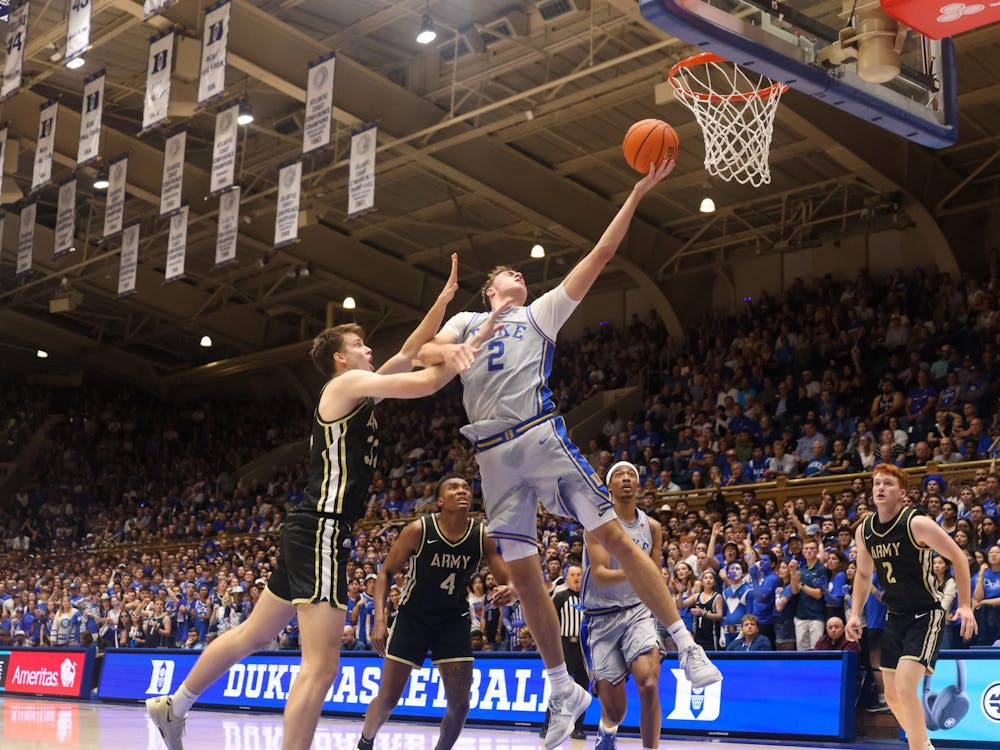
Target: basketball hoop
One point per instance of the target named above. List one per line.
(735, 109)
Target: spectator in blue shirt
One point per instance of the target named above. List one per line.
(750, 638)
(809, 581)
(819, 462)
(764, 582)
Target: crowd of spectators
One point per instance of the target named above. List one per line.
(826, 380)
(22, 409)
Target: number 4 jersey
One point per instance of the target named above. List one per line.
(441, 570)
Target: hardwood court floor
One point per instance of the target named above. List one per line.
(38, 724)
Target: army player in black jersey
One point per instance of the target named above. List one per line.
(899, 543)
(444, 551)
(309, 579)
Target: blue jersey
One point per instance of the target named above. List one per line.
(734, 603)
(763, 597)
(508, 383)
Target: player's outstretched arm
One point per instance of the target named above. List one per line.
(402, 361)
(926, 531)
(406, 544)
(862, 587)
(585, 273)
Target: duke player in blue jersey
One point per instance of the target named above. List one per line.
(525, 455)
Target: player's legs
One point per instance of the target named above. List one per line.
(539, 612)
(269, 615)
(457, 679)
(642, 573)
(646, 672)
(168, 712)
(901, 695)
(395, 673)
(321, 627)
(613, 705)
(613, 702)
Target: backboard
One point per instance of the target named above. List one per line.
(812, 46)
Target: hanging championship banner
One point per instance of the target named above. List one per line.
(177, 245)
(114, 211)
(90, 119)
(224, 149)
(129, 261)
(361, 182)
(65, 219)
(173, 172)
(17, 38)
(26, 238)
(286, 222)
(319, 105)
(152, 7)
(161, 50)
(45, 145)
(212, 81)
(77, 29)
(229, 227)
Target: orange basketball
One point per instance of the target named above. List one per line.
(650, 142)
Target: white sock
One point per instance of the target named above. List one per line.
(681, 635)
(649, 748)
(560, 680)
(608, 729)
(183, 699)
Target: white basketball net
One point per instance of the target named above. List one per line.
(735, 109)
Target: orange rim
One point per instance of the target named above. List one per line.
(706, 58)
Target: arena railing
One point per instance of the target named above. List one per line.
(810, 488)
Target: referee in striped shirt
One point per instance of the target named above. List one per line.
(567, 602)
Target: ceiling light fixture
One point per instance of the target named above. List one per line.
(206, 341)
(245, 116)
(42, 354)
(76, 62)
(427, 33)
(349, 303)
(537, 251)
(707, 204)
(101, 183)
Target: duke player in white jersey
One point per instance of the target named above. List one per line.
(525, 455)
(619, 632)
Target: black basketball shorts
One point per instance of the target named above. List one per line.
(312, 563)
(914, 635)
(446, 638)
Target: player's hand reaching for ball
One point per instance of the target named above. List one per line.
(379, 636)
(656, 173)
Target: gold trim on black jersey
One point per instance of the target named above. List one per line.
(329, 470)
(411, 579)
(465, 536)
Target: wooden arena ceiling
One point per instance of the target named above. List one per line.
(517, 143)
